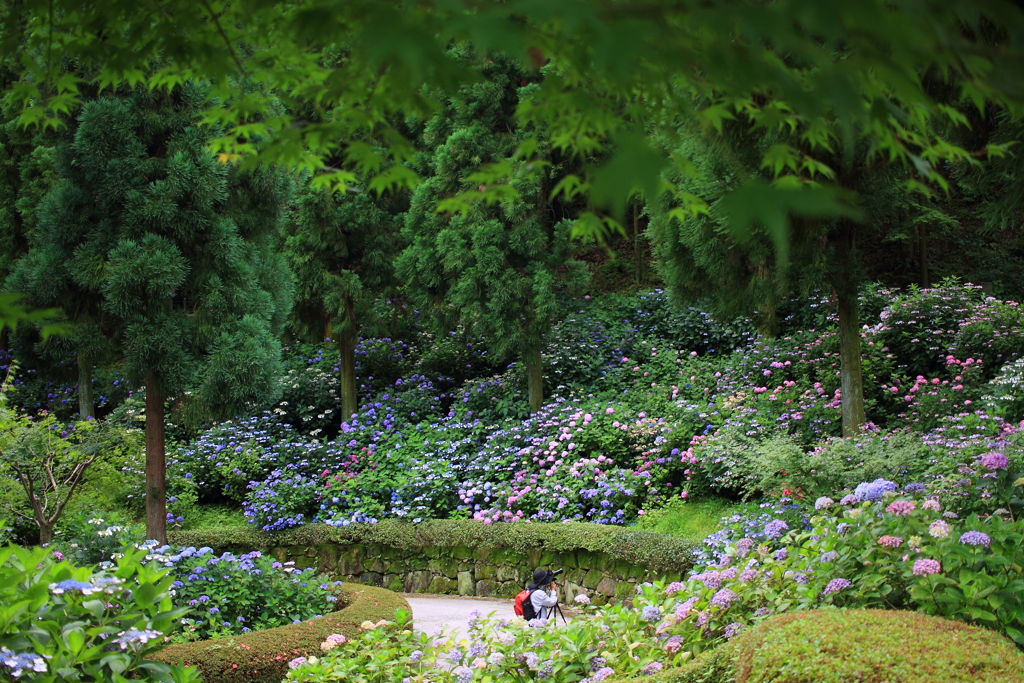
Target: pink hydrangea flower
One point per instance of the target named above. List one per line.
(926, 566)
(890, 541)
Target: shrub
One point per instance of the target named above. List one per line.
(657, 552)
(873, 646)
(263, 656)
(61, 622)
(234, 595)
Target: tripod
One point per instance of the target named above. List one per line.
(556, 612)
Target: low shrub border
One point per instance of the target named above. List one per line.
(869, 646)
(468, 557)
(263, 656)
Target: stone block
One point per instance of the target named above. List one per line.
(393, 582)
(639, 572)
(533, 557)
(443, 586)
(417, 581)
(466, 584)
(592, 578)
(602, 561)
(622, 569)
(327, 557)
(350, 563)
(508, 590)
(371, 579)
(606, 586)
(481, 554)
(485, 571)
(303, 562)
(462, 552)
(624, 589)
(279, 554)
(485, 589)
(377, 565)
(509, 573)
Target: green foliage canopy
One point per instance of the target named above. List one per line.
(845, 70)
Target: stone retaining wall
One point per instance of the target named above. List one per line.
(483, 572)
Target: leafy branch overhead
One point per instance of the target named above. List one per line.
(827, 76)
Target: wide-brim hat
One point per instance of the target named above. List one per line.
(543, 576)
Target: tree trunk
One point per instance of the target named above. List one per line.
(347, 340)
(535, 379)
(156, 463)
(349, 398)
(922, 235)
(638, 262)
(3, 339)
(45, 533)
(85, 401)
(852, 379)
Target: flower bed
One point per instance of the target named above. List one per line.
(870, 646)
(263, 656)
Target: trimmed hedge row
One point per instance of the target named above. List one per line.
(263, 656)
(867, 646)
(656, 552)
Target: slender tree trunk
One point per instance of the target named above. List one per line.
(347, 340)
(851, 376)
(638, 263)
(3, 339)
(156, 463)
(922, 235)
(45, 533)
(535, 379)
(85, 399)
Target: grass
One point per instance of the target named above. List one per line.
(692, 521)
(213, 517)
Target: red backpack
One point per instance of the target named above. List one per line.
(523, 606)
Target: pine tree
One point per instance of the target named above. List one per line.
(172, 253)
(497, 267)
(341, 248)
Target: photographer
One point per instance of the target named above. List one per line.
(543, 593)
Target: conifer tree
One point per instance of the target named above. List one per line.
(699, 255)
(498, 267)
(341, 248)
(173, 251)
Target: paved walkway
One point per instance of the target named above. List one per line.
(432, 613)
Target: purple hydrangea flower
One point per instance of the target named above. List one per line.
(733, 629)
(724, 598)
(775, 528)
(925, 566)
(975, 538)
(995, 461)
(873, 490)
(650, 614)
(836, 585)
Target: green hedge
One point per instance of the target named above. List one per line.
(263, 656)
(657, 552)
(866, 646)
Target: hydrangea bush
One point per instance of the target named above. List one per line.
(231, 594)
(61, 622)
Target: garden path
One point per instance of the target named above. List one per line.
(434, 613)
